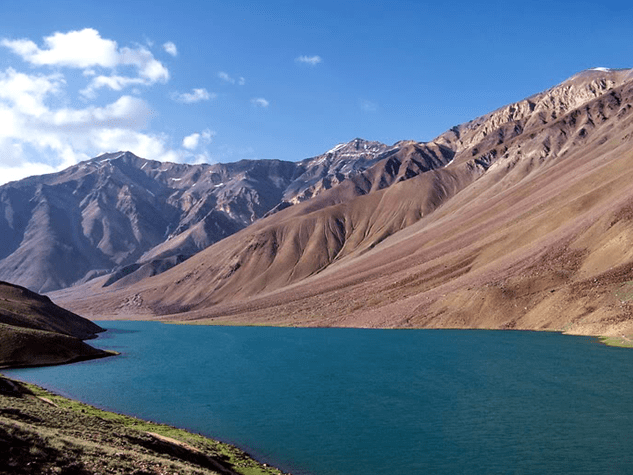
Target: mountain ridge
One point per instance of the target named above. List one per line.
(118, 213)
(503, 235)
(508, 221)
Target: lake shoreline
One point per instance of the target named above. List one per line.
(311, 400)
(622, 341)
(38, 422)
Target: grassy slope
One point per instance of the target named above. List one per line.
(42, 433)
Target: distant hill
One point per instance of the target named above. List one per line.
(517, 219)
(127, 217)
(35, 331)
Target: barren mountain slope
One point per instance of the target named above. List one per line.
(122, 215)
(527, 227)
(34, 331)
(106, 213)
(304, 239)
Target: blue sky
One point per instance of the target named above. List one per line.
(218, 81)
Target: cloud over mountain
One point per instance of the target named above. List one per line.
(52, 115)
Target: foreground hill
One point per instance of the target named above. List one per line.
(34, 331)
(44, 433)
(517, 219)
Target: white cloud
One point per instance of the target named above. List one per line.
(311, 60)
(196, 95)
(42, 131)
(26, 93)
(116, 83)
(191, 142)
(36, 139)
(260, 102)
(226, 78)
(231, 80)
(75, 49)
(18, 170)
(149, 68)
(85, 49)
(368, 106)
(170, 48)
(127, 112)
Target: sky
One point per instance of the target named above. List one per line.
(219, 81)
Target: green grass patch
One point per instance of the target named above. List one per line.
(240, 461)
(619, 341)
(625, 292)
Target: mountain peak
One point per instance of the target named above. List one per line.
(617, 75)
(356, 146)
(518, 219)
(111, 156)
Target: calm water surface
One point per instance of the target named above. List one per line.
(350, 401)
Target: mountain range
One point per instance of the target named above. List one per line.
(517, 219)
(118, 214)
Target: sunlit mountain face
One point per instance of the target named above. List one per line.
(516, 219)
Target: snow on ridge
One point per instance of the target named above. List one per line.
(112, 158)
(332, 150)
(601, 69)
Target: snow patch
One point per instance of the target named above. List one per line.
(601, 69)
(218, 185)
(110, 159)
(339, 146)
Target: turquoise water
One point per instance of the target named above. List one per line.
(350, 401)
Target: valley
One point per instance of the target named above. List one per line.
(518, 219)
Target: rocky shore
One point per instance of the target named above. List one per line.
(43, 433)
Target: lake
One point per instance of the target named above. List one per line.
(354, 401)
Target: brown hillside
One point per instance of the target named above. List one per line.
(34, 331)
(527, 225)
